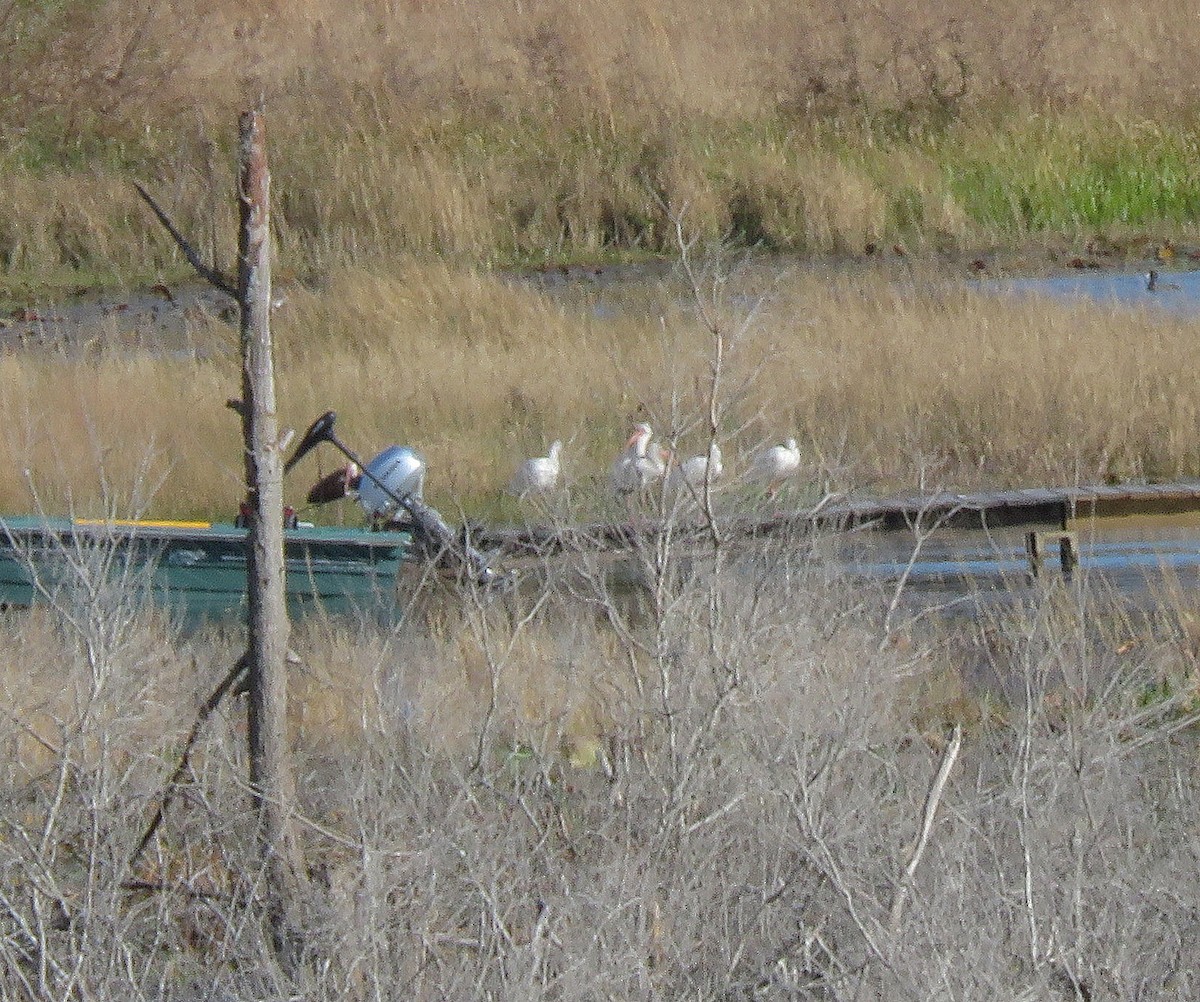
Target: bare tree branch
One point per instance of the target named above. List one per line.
(206, 711)
(215, 278)
(932, 799)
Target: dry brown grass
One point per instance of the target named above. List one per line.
(534, 130)
(137, 64)
(883, 377)
(984, 390)
(115, 430)
(734, 822)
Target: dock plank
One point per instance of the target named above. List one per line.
(1014, 507)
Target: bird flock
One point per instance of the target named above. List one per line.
(643, 463)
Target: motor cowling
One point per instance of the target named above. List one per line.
(394, 474)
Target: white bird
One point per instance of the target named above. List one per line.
(639, 465)
(695, 471)
(538, 476)
(774, 465)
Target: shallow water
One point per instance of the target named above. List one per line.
(163, 322)
(972, 574)
(168, 322)
(1177, 292)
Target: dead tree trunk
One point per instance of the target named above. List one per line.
(271, 776)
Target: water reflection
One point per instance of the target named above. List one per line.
(1137, 564)
(1176, 292)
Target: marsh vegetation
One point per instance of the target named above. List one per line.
(710, 774)
(711, 789)
(551, 130)
(888, 378)
(424, 154)
(740, 776)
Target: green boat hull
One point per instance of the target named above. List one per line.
(195, 570)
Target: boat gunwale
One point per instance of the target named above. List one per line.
(27, 527)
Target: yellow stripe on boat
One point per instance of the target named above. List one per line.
(144, 523)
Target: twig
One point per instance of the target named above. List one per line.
(204, 713)
(215, 278)
(921, 536)
(932, 799)
(162, 887)
(28, 729)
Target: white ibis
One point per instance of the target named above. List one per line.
(539, 476)
(639, 465)
(774, 465)
(695, 471)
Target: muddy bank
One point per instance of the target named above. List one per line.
(176, 320)
(161, 320)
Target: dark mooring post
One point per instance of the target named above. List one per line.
(271, 775)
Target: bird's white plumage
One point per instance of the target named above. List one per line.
(538, 476)
(775, 464)
(694, 471)
(639, 465)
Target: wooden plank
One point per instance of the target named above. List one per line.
(1049, 507)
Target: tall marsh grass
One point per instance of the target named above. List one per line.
(550, 130)
(887, 378)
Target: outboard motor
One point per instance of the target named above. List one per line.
(396, 473)
(389, 484)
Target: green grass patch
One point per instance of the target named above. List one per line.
(535, 190)
(1065, 176)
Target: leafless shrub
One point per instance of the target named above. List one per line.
(703, 770)
(706, 839)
